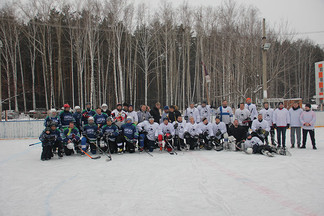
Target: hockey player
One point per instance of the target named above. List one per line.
(166, 132)
(51, 139)
(71, 139)
(100, 118)
(255, 145)
(179, 130)
(77, 115)
(52, 117)
(260, 128)
(281, 121)
(192, 132)
(204, 111)
(225, 113)
(267, 114)
(308, 119)
(192, 111)
(253, 110)
(206, 132)
(295, 124)
(125, 107)
(130, 135)
(119, 115)
(104, 109)
(86, 113)
(220, 132)
(143, 114)
(238, 132)
(148, 131)
(90, 136)
(165, 113)
(173, 113)
(66, 117)
(155, 112)
(132, 114)
(109, 132)
(243, 116)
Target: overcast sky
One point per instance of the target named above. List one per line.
(303, 15)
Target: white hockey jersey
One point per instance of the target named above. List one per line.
(133, 114)
(192, 129)
(267, 115)
(164, 129)
(151, 129)
(242, 115)
(206, 128)
(180, 130)
(204, 112)
(250, 143)
(193, 112)
(225, 114)
(253, 110)
(219, 127)
(281, 117)
(256, 124)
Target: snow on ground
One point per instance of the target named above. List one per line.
(190, 183)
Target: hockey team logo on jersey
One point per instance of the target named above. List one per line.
(128, 131)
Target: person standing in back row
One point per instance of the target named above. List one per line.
(308, 119)
(225, 113)
(281, 121)
(295, 124)
(253, 110)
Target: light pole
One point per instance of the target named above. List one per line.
(265, 47)
(0, 82)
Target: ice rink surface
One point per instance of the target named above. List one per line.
(190, 183)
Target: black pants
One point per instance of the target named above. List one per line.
(178, 142)
(281, 136)
(192, 142)
(257, 149)
(312, 136)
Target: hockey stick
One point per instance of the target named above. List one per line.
(95, 144)
(35, 143)
(173, 151)
(97, 157)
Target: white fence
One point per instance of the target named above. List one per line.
(21, 129)
(33, 128)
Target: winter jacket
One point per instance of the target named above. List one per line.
(174, 115)
(164, 115)
(308, 117)
(295, 117)
(225, 114)
(155, 112)
(281, 117)
(238, 132)
(142, 116)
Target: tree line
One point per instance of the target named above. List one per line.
(113, 51)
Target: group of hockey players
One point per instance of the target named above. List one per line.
(125, 130)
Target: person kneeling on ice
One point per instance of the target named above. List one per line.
(71, 139)
(192, 132)
(90, 134)
(109, 132)
(237, 134)
(51, 138)
(148, 131)
(206, 134)
(260, 128)
(220, 132)
(130, 136)
(166, 132)
(179, 127)
(255, 145)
